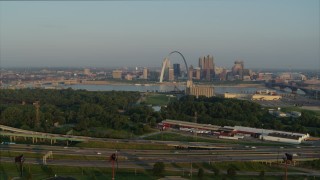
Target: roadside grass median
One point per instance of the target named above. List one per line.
(37, 172)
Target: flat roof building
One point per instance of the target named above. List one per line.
(117, 74)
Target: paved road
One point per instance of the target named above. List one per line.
(146, 157)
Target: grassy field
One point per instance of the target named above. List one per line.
(35, 172)
(315, 164)
(299, 109)
(157, 99)
(223, 166)
(170, 136)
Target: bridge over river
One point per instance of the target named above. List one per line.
(309, 91)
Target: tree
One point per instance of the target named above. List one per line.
(200, 173)
(231, 171)
(158, 169)
(216, 170)
(262, 173)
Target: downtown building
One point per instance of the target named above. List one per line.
(176, 71)
(206, 65)
(117, 74)
(145, 73)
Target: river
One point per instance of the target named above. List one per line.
(164, 88)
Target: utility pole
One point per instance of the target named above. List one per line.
(113, 158)
(37, 106)
(288, 158)
(20, 159)
(196, 121)
(191, 170)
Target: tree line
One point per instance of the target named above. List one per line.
(117, 113)
(221, 111)
(86, 112)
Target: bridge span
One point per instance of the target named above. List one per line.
(13, 133)
(312, 92)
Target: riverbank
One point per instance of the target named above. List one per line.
(242, 85)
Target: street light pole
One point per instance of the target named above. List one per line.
(191, 170)
(262, 133)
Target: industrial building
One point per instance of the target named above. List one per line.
(293, 138)
(199, 90)
(235, 95)
(266, 95)
(271, 135)
(235, 132)
(184, 125)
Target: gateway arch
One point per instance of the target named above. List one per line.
(166, 63)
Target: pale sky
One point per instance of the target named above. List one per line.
(262, 33)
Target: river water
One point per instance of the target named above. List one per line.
(163, 88)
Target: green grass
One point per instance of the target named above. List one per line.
(157, 99)
(315, 164)
(10, 170)
(123, 145)
(169, 136)
(223, 166)
(293, 108)
(37, 172)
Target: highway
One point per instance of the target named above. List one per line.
(144, 158)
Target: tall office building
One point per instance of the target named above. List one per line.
(237, 69)
(198, 73)
(177, 71)
(190, 73)
(145, 73)
(206, 65)
(171, 74)
(86, 71)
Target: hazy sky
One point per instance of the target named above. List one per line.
(262, 33)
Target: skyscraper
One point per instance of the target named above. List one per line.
(145, 73)
(206, 65)
(177, 71)
(190, 73)
(237, 69)
(198, 73)
(171, 74)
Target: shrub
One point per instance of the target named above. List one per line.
(200, 173)
(216, 170)
(158, 169)
(231, 171)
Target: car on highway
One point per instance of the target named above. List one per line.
(8, 143)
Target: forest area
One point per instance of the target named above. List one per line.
(117, 114)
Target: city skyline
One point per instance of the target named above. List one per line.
(264, 34)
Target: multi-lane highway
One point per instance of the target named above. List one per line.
(145, 158)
